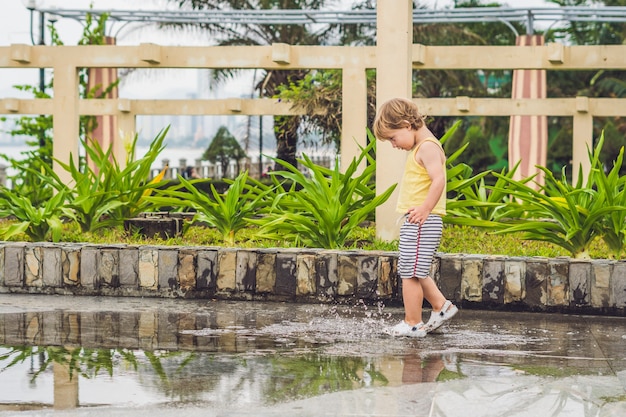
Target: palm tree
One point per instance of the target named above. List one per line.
(599, 83)
(322, 89)
(286, 128)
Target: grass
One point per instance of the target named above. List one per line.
(456, 239)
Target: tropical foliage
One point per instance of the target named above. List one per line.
(38, 222)
(38, 129)
(569, 215)
(98, 197)
(322, 206)
(286, 128)
(228, 212)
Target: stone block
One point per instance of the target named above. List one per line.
(266, 271)
(168, 269)
(52, 325)
(558, 290)
(245, 274)
(326, 274)
(14, 329)
(108, 329)
(493, 280)
(347, 270)
(387, 276)
(367, 278)
(187, 269)
(149, 268)
(89, 268)
(514, 280)
(33, 328)
(450, 275)
(305, 275)
(89, 324)
(618, 285)
(167, 330)
(226, 269)
(71, 331)
(600, 283)
(52, 267)
(579, 283)
(129, 325)
(33, 266)
(206, 270)
(472, 278)
(70, 265)
(435, 268)
(537, 278)
(286, 265)
(108, 268)
(1, 265)
(186, 341)
(147, 330)
(129, 267)
(14, 265)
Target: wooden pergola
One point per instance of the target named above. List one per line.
(394, 57)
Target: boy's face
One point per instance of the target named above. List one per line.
(401, 138)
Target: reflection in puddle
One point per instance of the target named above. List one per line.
(227, 358)
(87, 377)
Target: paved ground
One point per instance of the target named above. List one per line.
(268, 359)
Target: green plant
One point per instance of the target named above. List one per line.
(130, 183)
(37, 222)
(481, 205)
(570, 216)
(457, 174)
(612, 186)
(28, 182)
(322, 210)
(89, 199)
(224, 148)
(228, 212)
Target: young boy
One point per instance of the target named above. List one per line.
(422, 201)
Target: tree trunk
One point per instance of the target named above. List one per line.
(286, 140)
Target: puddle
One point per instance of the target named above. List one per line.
(238, 358)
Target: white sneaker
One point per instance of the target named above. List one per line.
(438, 318)
(406, 330)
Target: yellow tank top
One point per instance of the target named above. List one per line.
(415, 184)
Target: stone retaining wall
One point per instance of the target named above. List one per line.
(308, 275)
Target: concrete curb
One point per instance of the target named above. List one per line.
(308, 275)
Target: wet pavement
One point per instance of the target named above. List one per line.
(106, 356)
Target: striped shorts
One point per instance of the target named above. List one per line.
(418, 244)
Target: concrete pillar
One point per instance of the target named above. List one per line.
(582, 139)
(354, 115)
(65, 120)
(65, 386)
(394, 22)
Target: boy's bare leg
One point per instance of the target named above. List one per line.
(432, 293)
(413, 298)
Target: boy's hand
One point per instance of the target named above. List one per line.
(417, 215)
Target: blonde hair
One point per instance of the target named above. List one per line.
(395, 114)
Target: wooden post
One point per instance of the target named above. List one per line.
(354, 115)
(393, 79)
(65, 120)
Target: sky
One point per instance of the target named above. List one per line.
(15, 28)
